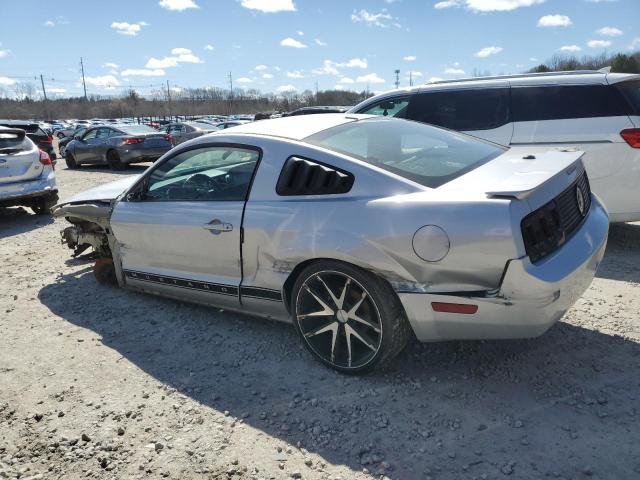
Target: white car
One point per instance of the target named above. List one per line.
(27, 177)
(595, 111)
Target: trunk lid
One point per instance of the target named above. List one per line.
(19, 157)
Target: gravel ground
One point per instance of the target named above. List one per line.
(98, 382)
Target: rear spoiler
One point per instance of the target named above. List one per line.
(18, 132)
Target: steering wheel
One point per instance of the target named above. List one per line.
(199, 180)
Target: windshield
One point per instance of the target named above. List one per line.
(136, 129)
(427, 155)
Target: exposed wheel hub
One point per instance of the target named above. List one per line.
(342, 317)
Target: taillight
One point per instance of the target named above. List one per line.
(49, 139)
(133, 141)
(169, 138)
(45, 159)
(631, 136)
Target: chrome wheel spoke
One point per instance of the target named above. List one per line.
(356, 318)
(350, 332)
(336, 302)
(355, 308)
(326, 307)
(344, 293)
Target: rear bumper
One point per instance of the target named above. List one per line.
(134, 155)
(42, 186)
(531, 298)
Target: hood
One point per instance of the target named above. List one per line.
(108, 191)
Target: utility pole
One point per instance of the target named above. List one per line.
(397, 78)
(44, 91)
(169, 99)
(411, 79)
(231, 93)
(316, 92)
(84, 85)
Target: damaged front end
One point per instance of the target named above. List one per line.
(90, 229)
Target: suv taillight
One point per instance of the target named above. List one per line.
(631, 136)
(44, 158)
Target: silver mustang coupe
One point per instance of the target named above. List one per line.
(362, 231)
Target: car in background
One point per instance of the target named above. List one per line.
(42, 139)
(117, 146)
(314, 110)
(597, 112)
(27, 176)
(362, 231)
(63, 142)
(183, 131)
(231, 123)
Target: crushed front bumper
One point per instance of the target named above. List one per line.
(531, 298)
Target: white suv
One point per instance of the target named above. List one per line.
(594, 111)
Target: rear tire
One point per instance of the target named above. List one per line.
(105, 272)
(43, 205)
(70, 161)
(359, 326)
(113, 159)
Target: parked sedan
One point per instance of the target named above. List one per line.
(27, 177)
(117, 146)
(361, 230)
(183, 131)
(64, 141)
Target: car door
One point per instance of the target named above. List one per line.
(483, 112)
(179, 230)
(83, 146)
(102, 144)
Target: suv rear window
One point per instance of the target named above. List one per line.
(427, 155)
(11, 141)
(631, 91)
(564, 102)
(462, 109)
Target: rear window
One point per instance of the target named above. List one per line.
(565, 102)
(201, 126)
(631, 91)
(10, 141)
(422, 153)
(137, 129)
(465, 110)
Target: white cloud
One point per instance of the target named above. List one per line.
(370, 78)
(260, 67)
(570, 48)
(269, 6)
(208, 47)
(454, 71)
(347, 80)
(488, 51)
(598, 43)
(487, 5)
(635, 43)
(177, 5)
(434, 79)
(414, 74)
(143, 72)
(126, 28)
(178, 55)
(320, 43)
(267, 76)
(295, 74)
(330, 67)
(4, 53)
(355, 63)
(244, 80)
(49, 23)
(379, 19)
(110, 65)
(609, 31)
(103, 81)
(301, 33)
(6, 81)
(57, 91)
(292, 42)
(554, 21)
(409, 58)
(338, 87)
(286, 88)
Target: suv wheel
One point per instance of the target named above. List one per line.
(348, 318)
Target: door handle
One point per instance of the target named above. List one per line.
(216, 226)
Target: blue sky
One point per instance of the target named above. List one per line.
(287, 45)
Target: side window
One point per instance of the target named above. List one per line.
(563, 102)
(391, 107)
(464, 110)
(103, 133)
(204, 174)
(90, 134)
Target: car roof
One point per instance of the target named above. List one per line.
(295, 128)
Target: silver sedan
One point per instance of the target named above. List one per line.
(362, 231)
